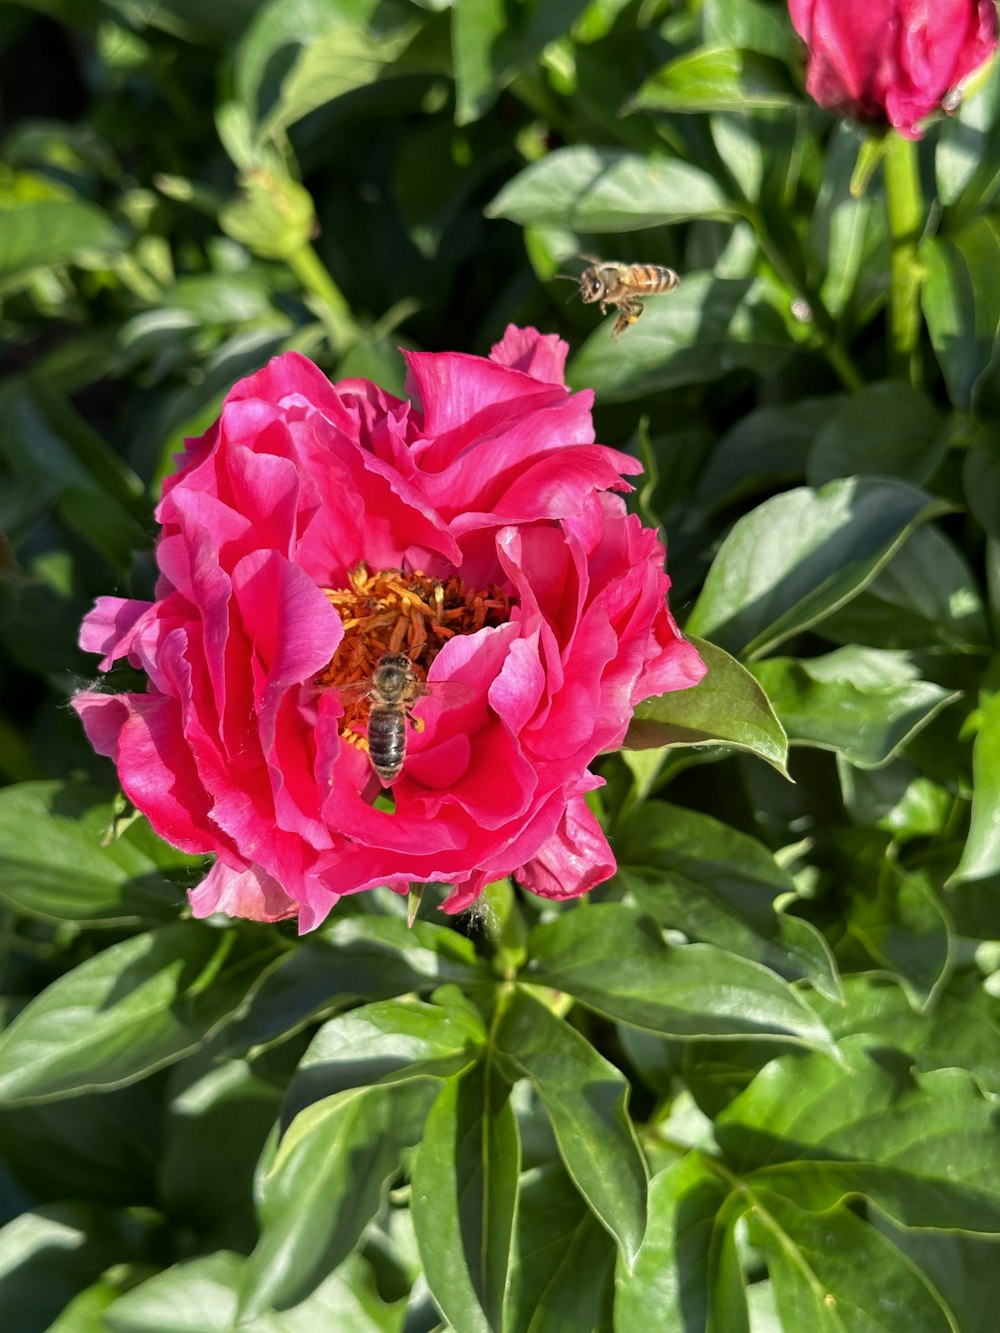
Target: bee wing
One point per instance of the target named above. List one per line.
(357, 689)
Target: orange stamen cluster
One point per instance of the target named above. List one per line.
(395, 612)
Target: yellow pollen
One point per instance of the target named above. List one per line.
(395, 612)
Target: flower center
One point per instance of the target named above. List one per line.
(395, 612)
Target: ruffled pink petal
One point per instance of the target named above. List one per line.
(249, 893)
(540, 355)
(574, 860)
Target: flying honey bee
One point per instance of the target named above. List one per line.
(623, 286)
(391, 690)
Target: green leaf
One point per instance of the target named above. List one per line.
(131, 1009)
(727, 707)
(197, 1296)
(585, 1098)
(696, 874)
(767, 447)
(753, 24)
(981, 854)
(564, 1261)
(961, 303)
(342, 61)
(50, 1254)
(41, 233)
(465, 1187)
(218, 1122)
(863, 703)
(927, 596)
(54, 866)
(677, 1266)
(888, 430)
(796, 558)
(904, 927)
(959, 1030)
(831, 1271)
(607, 189)
(324, 1186)
(981, 481)
(615, 961)
(378, 1043)
(477, 31)
(354, 959)
(922, 1147)
(721, 78)
(704, 330)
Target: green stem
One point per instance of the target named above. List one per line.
(341, 328)
(822, 321)
(904, 208)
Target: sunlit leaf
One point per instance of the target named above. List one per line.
(465, 1187)
(616, 962)
(796, 558)
(727, 707)
(585, 1098)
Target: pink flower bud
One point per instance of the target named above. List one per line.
(892, 62)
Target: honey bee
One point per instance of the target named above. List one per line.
(392, 691)
(622, 286)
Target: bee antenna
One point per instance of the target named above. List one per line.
(570, 278)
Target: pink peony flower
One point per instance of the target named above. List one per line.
(892, 62)
(477, 530)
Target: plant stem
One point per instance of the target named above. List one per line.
(904, 208)
(822, 321)
(341, 329)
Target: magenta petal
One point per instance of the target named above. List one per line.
(574, 860)
(540, 355)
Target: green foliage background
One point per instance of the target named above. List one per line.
(752, 1083)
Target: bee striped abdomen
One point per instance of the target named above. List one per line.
(386, 740)
(652, 279)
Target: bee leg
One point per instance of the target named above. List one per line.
(417, 723)
(630, 309)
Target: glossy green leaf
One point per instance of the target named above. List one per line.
(926, 596)
(887, 430)
(981, 854)
(864, 703)
(354, 958)
(323, 1187)
(704, 330)
(563, 1268)
(196, 1296)
(378, 1043)
(961, 303)
(465, 1187)
(721, 78)
(832, 1271)
(958, 1030)
(606, 189)
(131, 1009)
(727, 707)
(719, 886)
(585, 1098)
(45, 232)
(615, 961)
(906, 929)
(54, 863)
(922, 1147)
(796, 558)
(671, 1286)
